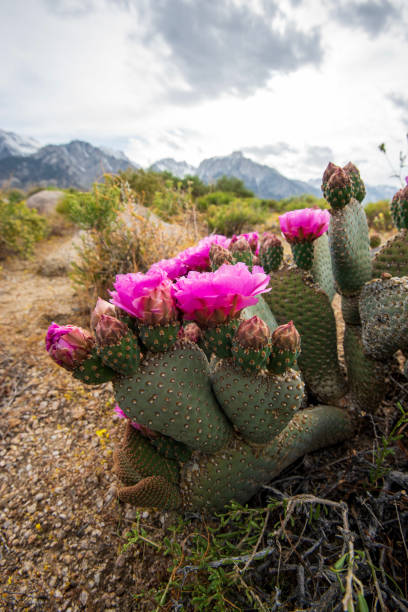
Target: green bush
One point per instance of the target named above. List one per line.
(20, 228)
(237, 216)
(234, 185)
(379, 215)
(171, 202)
(144, 183)
(301, 201)
(216, 198)
(95, 210)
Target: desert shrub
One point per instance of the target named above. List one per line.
(20, 228)
(14, 195)
(93, 210)
(215, 198)
(237, 216)
(171, 202)
(234, 185)
(301, 201)
(379, 215)
(144, 183)
(375, 241)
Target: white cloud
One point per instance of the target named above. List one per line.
(178, 83)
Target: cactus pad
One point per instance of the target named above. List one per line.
(259, 406)
(171, 393)
(392, 256)
(295, 296)
(92, 371)
(366, 376)
(350, 248)
(157, 338)
(124, 356)
(383, 311)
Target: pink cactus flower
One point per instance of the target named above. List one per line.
(216, 297)
(306, 224)
(68, 345)
(148, 433)
(406, 180)
(148, 297)
(198, 257)
(174, 267)
(102, 308)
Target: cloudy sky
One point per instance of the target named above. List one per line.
(291, 83)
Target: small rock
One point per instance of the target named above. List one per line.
(83, 598)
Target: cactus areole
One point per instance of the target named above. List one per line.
(209, 354)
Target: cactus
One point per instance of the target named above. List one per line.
(209, 367)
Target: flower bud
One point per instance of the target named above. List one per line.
(253, 333)
(68, 345)
(327, 173)
(191, 332)
(109, 330)
(241, 245)
(158, 307)
(102, 308)
(286, 337)
(219, 256)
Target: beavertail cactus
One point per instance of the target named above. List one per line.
(209, 367)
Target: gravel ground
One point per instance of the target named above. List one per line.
(62, 530)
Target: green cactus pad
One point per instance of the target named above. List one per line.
(239, 470)
(261, 310)
(322, 268)
(392, 256)
(271, 258)
(396, 210)
(303, 254)
(350, 248)
(281, 360)
(218, 339)
(349, 309)
(171, 449)
(152, 492)
(171, 393)
(338, 197)
(259, 406)
(159, 338)
(358, 187)
(245, 256)
(384, 316)
(136, 458)
(294, 296)
(123, 357)
(249, 359)
(366, 376)
(93, 371)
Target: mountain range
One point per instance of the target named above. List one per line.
(24, 163)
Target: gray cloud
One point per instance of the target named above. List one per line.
(318, 156)
(373, 16)
(400, 101)
(70, 8)
(223, 47)
(263, 151)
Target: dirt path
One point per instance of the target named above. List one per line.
(62, 530)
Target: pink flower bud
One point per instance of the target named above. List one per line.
(253, 333)
(102, 308)
(109, 330)
(286, 337)
(68, 345)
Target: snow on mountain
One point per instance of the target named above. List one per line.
(13, 144)
(181, 169)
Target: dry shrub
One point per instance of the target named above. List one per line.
(131, 244)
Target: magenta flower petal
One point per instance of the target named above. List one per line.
(148, 297)
(214, 297)
(197, 258)
(305, 224)
(174, 267)
(68, 345)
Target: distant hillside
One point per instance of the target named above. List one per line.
(76, 164)
(24, 163)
